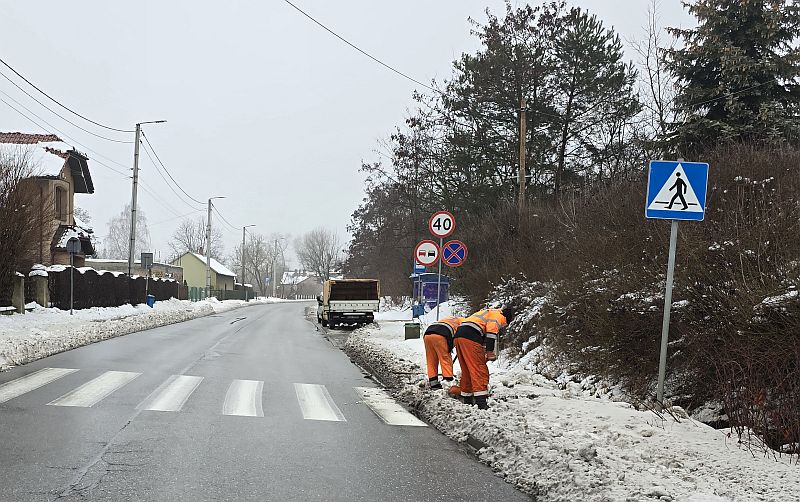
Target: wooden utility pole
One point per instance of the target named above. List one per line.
(522, 134)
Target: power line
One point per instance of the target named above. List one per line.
(62, 134)
(391, 68)
(167, 170)
(732, 93)
(61, 116)
(165, 179)
(233, 227)
(59, 103)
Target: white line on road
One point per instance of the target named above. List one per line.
(172, 394)
(387, 409)
(244, 399)
(316, 403)
(33, 381)
(94, 391)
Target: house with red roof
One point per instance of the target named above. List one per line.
(60, 171)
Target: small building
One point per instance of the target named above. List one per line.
(160, 270)
(194, 272)
(60, 172)
(299, 284)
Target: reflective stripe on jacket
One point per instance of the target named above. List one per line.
(452, 323)
(488, 322)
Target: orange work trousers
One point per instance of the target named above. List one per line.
(474, 372)
(436, 352)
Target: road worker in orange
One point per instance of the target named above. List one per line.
(438, 341)
(474, 341)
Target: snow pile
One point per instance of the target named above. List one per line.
(563, 440)
(46, 331)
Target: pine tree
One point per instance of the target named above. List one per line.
(739, 74)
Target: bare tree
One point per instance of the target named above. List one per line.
(265, 258)
(20, 211)
(117, 242)
(191, 236)
(657, 84)
(319, 251)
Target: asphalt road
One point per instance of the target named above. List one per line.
(252, 404)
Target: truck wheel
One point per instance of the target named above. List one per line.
(324, 322)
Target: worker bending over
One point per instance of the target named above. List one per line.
(474, 341)
(438, 341)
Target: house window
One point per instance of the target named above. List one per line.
(61, 204)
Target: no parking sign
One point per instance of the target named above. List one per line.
(454, 253)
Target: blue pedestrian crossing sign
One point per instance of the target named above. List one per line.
(676, 190)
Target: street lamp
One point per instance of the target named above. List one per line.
(134, 189)
(243, 259)
(208, 247)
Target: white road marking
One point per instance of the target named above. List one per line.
(33, 381)
(172, 394)
(94, 391)
(316, 403)
(387, 409)
(244, 399)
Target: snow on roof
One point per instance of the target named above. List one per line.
(293, 278)
(216, 266)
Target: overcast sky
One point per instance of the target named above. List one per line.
(263, 107)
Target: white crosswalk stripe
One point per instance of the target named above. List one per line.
(387, 409)
(244, 399)
(172, 394)
(94, 391)
(316, 403)
(33, 381)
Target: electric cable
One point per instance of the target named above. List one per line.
(61, 116)
(59, 103)
(165, 179)
(167, 170)
(61, 133)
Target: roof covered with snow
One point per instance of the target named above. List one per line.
(51, 155)
(215, 265)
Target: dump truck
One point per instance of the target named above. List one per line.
(348, 301)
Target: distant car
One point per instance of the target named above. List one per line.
(348, 301)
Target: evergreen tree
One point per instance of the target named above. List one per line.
(740, 74)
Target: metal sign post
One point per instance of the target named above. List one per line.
(442, 224)
(675, 191)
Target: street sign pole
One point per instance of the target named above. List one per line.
(71, 279)
(439, 284)
(662, 365)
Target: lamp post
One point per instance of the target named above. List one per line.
(208, 247)
(134, 190)
(244, 255)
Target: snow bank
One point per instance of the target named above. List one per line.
(566, 440)
(46, 331)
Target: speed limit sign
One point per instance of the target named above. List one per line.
(442, 224)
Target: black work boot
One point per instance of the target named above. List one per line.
(469, 399)
(481, 402)
(434, 383)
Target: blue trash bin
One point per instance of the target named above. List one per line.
(151, 300)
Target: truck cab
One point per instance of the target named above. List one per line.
(348, 301)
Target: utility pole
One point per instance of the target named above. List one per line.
(134, 191)
(208, 248)
(274, 275)
(132, 243)
(522, 134)
(244, 256)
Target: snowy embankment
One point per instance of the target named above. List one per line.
(568, 441)
(46, 331)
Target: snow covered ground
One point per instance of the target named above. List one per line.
(46, 331)
(570, 441)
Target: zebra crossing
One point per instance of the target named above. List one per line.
(243, 398)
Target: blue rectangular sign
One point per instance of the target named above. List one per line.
(676, 190)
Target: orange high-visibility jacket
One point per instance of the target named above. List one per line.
(451, 322)
(488, 322)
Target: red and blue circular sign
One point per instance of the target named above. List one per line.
(454, 253)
